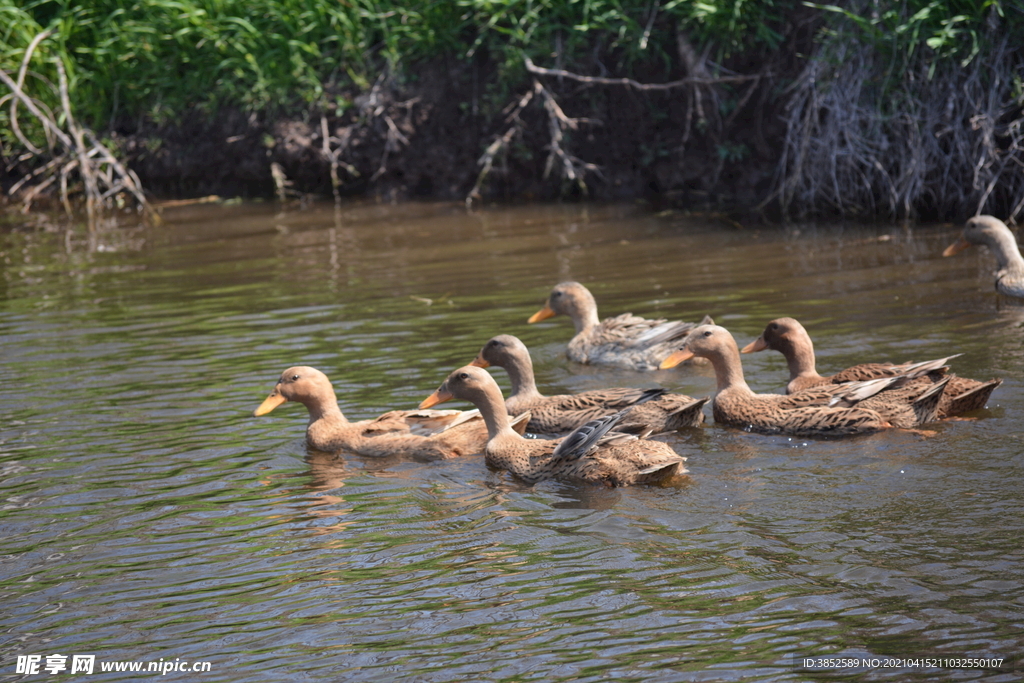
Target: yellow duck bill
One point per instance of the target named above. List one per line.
(271, 402)
(675, 359)
(439, 396)
(542, 314)
(758, 344)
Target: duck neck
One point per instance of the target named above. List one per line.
(323, 410)
(800, 358)
(585, 317)
(1004, 248)
(520, 374)
(728, 370)
(492, 409)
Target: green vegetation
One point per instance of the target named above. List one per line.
(159, 57)
(906, 107)
(156, 59)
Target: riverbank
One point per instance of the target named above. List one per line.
(781, 109)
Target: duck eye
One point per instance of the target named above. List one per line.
(707, 333)
(556, 294)
(773, 326)
(463, 375)
(295, 378)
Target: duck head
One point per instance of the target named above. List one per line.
(704, 341)
(987, 230)
(567, 298)
(469, 383)
(781, 334)
(498, 350)
(300, 383)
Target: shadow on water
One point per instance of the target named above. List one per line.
(147, 515)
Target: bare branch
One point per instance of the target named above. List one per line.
(629, 82)
(84, 167)
(572, 168)
(21, 81)
(30, 105)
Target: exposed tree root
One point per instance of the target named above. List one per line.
(105, 181)
(486, 161)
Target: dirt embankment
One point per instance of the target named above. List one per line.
(692, 144)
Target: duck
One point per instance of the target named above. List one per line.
(411, 433)
(790, 338)
(994, 234)
(625, 341)
(592, 453)
(836, 410)
(661, 411)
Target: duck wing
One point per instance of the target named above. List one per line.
(586, 438)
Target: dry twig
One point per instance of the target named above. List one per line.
(955, 147)
(103, 176)
(629, 82)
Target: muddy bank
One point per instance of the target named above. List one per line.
(827, 120)
(425, 139)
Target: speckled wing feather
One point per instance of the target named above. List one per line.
(903, 401)
(586, 437)
(963, 395)
(862, 407)
(605, 399)
(868, 371)
(629, 341)
(661, 411)
(765, 414)
(669, 332)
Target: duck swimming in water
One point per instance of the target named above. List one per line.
(592, 453)
(626, 341)
(443, 433)
(993, 233)
(558, 414)
(837, 410)
(788, 337)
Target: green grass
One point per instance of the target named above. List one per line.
(156, 59)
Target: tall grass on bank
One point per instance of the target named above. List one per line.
(158, 58)
(882, 67)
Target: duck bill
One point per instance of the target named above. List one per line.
(956, 247)
(271, 402)
(439, 396)
(675, 359)
(479, 362)
(758, 344)
(542, 314)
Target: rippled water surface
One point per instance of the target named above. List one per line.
(146, 515)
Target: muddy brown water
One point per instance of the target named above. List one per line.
(147, 516)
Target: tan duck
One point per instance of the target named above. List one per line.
(626, 341)
(994, 234)
(660, 411)
(829, 410)
(390, 434)
(592, 453)
(788, 337)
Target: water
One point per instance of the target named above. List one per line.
(145, 515)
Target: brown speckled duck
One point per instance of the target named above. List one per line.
(821, 411)
(994, 234)
(592, 453)
(660, 411)
(390, 434)
(626, 341)
(788, 337)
